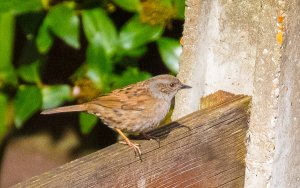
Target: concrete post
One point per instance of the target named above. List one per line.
(253, 48)
(286, 167)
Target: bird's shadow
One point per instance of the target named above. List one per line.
(160, 133)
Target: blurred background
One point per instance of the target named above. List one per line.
(62, 52)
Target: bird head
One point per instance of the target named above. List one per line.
(165, 86)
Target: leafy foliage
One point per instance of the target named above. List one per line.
(3, 114)
(129, 5)
(135, 34)
(87, 122)
(100, 29)
(7, 73)
(30, 72)
(55, 95)
(19, 6)
(170, 51)
(112, 50)
(28, 100)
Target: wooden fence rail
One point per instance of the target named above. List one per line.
(209, 154)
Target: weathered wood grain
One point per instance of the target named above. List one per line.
(209, 154)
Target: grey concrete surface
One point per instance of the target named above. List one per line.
(236, 46)
(286, 168)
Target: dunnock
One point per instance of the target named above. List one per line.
(136, 108)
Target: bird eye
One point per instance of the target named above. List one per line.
(172, 84)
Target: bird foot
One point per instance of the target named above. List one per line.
(136, 148)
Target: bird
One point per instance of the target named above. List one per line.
(136, 108)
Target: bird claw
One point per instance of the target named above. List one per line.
(125, 143)
(136, 148)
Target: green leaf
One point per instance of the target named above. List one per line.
(130, 76)
(99, 67)
(180, 8)
(135, 34)
(79, 73)
(44, 40)
(170, 50)
(30, 72)
(64, 23)
(3, 115)
(129, 5)
(20, 6)
(30, 61)
(87, 122)
(7, 25)
(56, 95)
(99, 28)
(136, 52)
(27, 101)
(167, 3)
(6, 6)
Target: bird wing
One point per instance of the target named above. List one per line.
(127, 99)
(138, 103)
(108, 101)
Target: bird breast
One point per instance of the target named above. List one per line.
(152, 117)
(138, 121)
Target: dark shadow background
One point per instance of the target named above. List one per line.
(60, 65)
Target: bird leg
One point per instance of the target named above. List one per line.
(135, 146)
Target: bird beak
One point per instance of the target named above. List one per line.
(185, 86)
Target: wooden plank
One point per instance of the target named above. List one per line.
(210, 154)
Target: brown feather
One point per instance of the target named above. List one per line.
(74, 108)
(123, 99)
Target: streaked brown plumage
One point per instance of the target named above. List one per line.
(136, 108)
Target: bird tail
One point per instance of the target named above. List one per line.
(74, 108)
